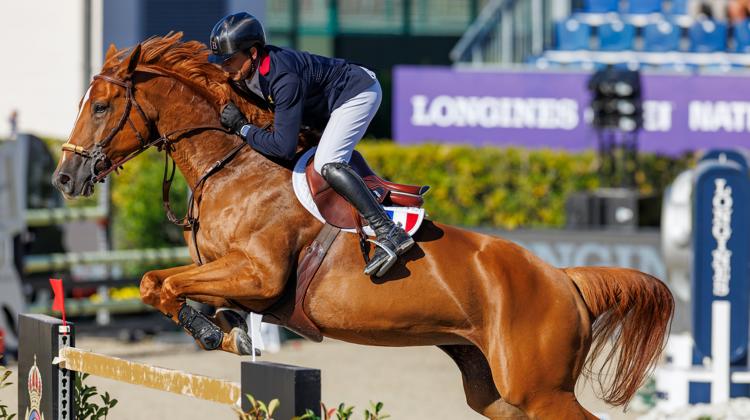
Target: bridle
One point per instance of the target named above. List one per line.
(163, 142)
(97, 151)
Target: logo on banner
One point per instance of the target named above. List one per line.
(494, 112)
(35, 393)
(722, 232)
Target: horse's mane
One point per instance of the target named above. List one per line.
(188, 62)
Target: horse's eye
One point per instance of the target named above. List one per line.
(100, 108)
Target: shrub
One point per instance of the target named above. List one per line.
(504, 188)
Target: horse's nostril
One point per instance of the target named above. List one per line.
(63, 179)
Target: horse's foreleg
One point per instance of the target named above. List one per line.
(152, 282)
(234, 277)
(151, 294)
(480, 390)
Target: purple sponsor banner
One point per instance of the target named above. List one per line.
(550, 109)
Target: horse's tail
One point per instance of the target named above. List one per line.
(632, 308)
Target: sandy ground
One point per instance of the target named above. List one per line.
(414, 383)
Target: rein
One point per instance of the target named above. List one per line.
(164, 142)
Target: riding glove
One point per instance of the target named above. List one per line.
(232, 118)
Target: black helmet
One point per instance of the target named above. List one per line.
(233, 33)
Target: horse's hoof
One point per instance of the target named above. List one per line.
(238, 342)
(228, 319)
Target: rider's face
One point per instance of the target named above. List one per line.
(233, 64)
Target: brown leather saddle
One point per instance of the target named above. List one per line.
(338, 212)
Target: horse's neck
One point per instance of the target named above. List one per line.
(194, 151)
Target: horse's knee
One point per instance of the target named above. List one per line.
(271, 290)
(556, 404)
(149, 288)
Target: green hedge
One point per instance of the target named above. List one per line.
(504, 187)
(498, 187)
(139, 218)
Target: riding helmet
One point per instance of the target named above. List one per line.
(233, 33)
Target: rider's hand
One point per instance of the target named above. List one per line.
(232, 118)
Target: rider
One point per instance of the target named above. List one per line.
(307, 88)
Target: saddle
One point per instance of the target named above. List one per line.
(338, 212)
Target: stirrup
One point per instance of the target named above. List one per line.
(388, 263)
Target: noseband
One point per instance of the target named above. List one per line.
(164, 142)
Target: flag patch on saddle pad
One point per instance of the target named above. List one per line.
(410, 218)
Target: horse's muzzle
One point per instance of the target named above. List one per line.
(74, 180)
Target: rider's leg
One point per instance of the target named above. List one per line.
(391, 238)
(345, 128)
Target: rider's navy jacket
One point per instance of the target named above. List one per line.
(302, 88)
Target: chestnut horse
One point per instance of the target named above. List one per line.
(518, 329)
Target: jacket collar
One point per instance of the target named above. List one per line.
(265, 65)
(254, 82)
(254, 85)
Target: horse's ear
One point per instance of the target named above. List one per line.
(133, 59)
(111, 51)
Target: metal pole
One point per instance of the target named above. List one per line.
(473, 10)
(86, 74)
(294, 24)
(406, 18)
(506, 28)
(333, 17)
(537, 27)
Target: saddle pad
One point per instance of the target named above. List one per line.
(411, 218)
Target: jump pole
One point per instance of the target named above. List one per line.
(48, 359)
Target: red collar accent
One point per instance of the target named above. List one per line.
(265, 65)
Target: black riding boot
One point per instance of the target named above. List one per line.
(392, 240)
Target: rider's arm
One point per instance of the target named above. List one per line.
(282, 141)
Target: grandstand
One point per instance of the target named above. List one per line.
(645, 34)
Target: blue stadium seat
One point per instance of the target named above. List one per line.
(572, 35)
(678, 67)
(616, 36)
(644, 6)
(719, 68)
(679, 7)
(708, 36)
(601, 6)
(661, 37)
(742, 36)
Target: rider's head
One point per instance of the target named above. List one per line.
(236, 44)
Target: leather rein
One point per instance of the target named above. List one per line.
(164, 142)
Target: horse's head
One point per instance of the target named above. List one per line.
(111, 125)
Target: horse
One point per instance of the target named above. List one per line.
(518, 329)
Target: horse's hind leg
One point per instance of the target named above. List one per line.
(537, 360)
(533, 382)
(480, 390)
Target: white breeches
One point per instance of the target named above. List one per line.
(346, 127)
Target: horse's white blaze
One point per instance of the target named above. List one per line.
(80, 110)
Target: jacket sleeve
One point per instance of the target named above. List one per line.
(282, 141)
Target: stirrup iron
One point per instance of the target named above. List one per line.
(388, 263)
